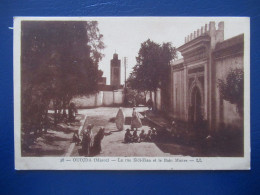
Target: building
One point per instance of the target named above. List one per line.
(194, 93)
(107, 95)
(102, 81)
(115, 71)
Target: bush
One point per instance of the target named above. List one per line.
(232, 89)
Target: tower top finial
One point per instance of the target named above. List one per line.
(115, 56)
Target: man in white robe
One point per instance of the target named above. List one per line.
(120, 119)
(136, 121)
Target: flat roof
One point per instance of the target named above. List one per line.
(176, 62)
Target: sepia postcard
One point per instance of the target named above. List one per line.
(132, 93)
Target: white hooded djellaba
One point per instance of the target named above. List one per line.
(136, 121)
(120, 120)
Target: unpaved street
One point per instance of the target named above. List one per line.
(112, 144)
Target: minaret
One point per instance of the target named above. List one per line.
(115, 71)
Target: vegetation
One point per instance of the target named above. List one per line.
(152, 69)
(232, 88)
(59, 60)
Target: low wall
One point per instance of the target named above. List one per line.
(118, 97)
(108, 98)
(102, 98)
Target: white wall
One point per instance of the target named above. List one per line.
(178, 95)
(99, 100)
(85, 101)
(102, 98)
(229, 111)
(158, 99)
(108, 98)
(118, 97)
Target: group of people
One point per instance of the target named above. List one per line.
(91, 145)
(142, 137)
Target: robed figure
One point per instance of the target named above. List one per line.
(87, 140)
(96, 148)
(136, 121)
(72, 112)
(120, 120)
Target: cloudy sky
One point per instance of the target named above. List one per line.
(125, 35)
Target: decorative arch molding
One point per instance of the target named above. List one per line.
(196, 83)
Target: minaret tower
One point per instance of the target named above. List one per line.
(115, 71)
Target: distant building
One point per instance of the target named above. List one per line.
(102, 81)
(115, 71)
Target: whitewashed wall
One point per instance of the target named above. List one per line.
(178, 95)
(230, 115)
(85, 101)
(158, 99)
(118, 97)
(102, 98)
(108, 98)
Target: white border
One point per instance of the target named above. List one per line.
(53, 163)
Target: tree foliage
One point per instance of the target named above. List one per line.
(152, 69)
(232, 88)
(59, 60)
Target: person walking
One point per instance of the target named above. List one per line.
(135, 121)
(87, 140)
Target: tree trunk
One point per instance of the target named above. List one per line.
(64, 112)
(155, 100)
(55, 112)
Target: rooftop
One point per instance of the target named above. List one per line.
(239, 39)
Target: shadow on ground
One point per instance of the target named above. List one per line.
(50, 139)
(38, 152)
(176, 149)
(54, 142)
(128, 121)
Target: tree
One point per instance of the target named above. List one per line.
(152, 69)
(232, 88)
(59, 60)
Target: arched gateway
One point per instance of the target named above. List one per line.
(195, 96)
(196, 106)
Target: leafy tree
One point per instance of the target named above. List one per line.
(152, 69)
(59, 60)
(232, 88)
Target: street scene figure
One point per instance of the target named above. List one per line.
(72, 112)
(148, 137)
(154, 134)
(120, 119)
(96, 148)
(135, 136)
(128, 136)
(135, 121)
(76, 138)
(142, 136)
(87, 140)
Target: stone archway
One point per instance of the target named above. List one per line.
(196, 102)
(196, 105)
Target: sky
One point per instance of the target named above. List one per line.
(124, 35)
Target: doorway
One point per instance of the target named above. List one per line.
(196, 104)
